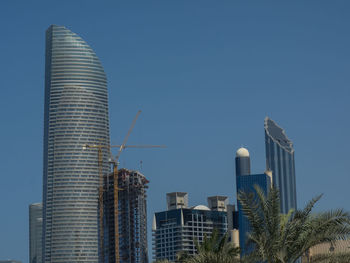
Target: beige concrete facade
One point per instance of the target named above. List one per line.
(341, 246)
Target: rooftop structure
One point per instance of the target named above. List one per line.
(242, 162)
(218, 203)
(278, 135)
(242, 152)
(176, 200)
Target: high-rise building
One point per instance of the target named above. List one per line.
(35, 232)
(242, 162)
(132, 219)
(246, 183)
(76, 113)
(280, 160)
(176, 229)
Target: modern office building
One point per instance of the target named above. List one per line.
(176, 229)
(132, 219)
(76, 113)
(246, 182)
(35, 232)
(280, 160)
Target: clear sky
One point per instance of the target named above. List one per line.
(205, 74)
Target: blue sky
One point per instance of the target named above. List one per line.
(205, 74)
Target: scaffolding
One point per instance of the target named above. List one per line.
(132, 210)
(109, 203)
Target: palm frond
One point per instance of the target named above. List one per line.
(281, 238)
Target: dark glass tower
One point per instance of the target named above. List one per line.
(280, 160)
(242, 162)
(245, 182)
(76, 113)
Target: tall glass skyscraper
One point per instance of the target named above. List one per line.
(76, 113)
(280, 160)
(35, 232)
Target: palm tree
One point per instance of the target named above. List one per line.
(283, 238)
(215, 249)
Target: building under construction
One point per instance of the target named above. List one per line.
(132, 218)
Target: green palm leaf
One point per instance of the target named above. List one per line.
(280, 238)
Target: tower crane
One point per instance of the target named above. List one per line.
(115, 162)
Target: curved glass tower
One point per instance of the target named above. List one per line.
(76, 113)
(280, 160)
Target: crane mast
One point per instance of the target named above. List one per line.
(100, 200)
(116, 189)
(116, 212)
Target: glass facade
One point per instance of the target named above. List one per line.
(76, 113)
(35, 232)
(175, 230)
(280, 160)
(242, 165)
(246, 183)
